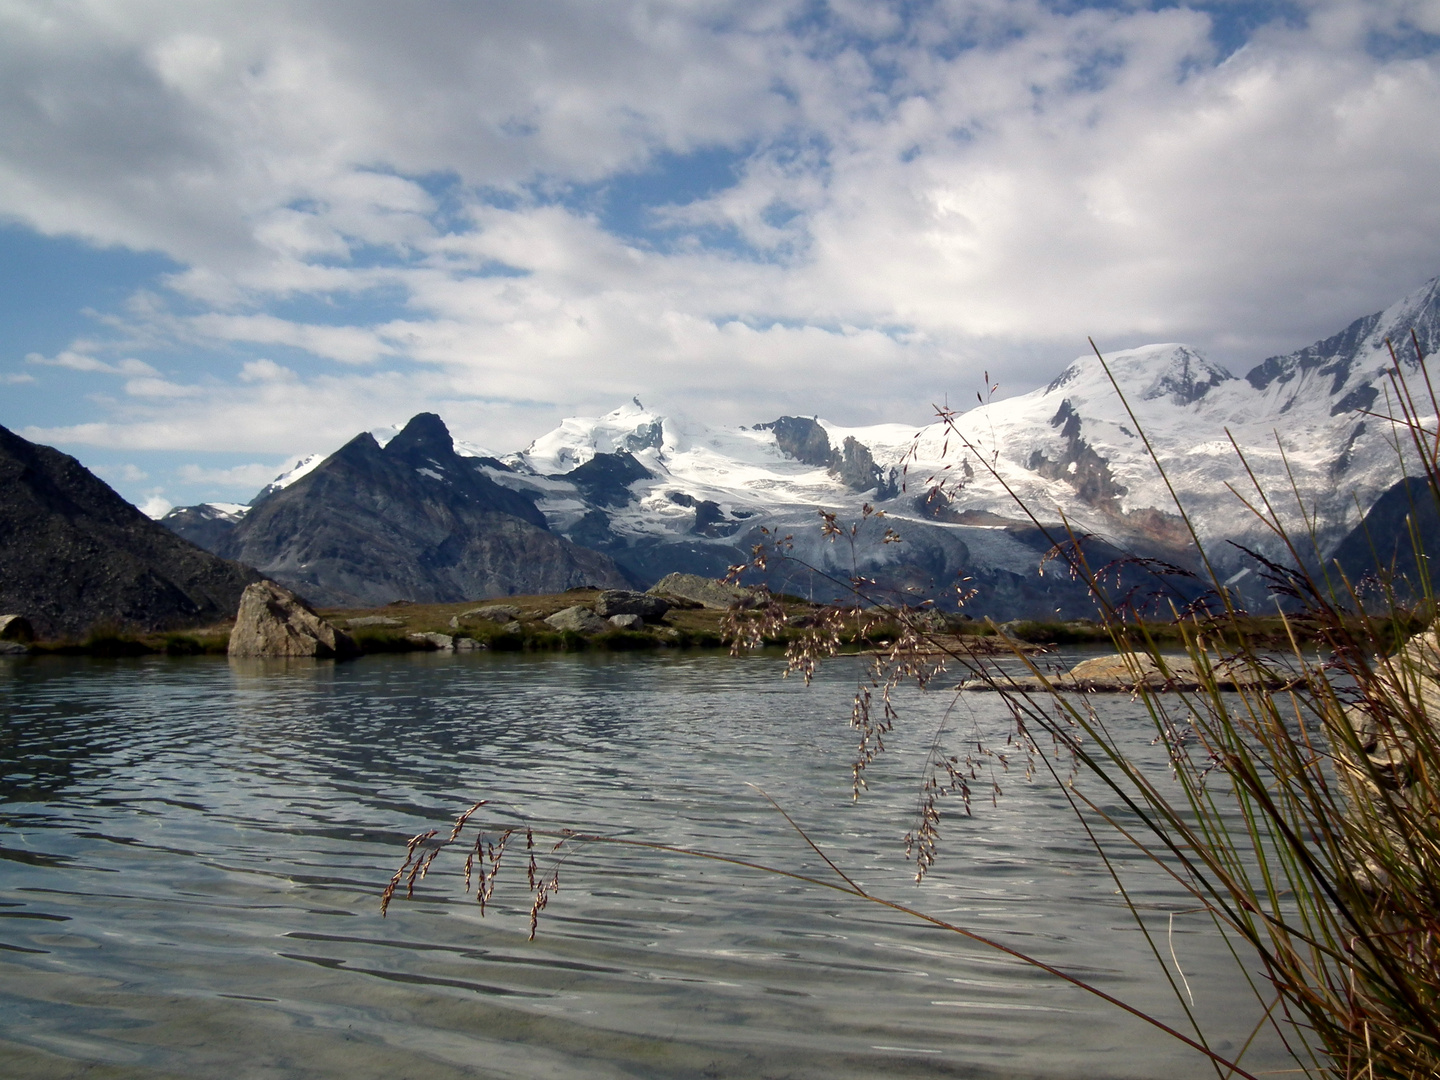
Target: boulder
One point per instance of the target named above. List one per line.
(273, 621)
(1126, 673)
(579, 619)
(614, 602)
(707, 592)
(468, 644)
(500, 613)
(627, 622)
(16, 628)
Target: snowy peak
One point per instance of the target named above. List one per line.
(1172, 372)
(1185, 377)
(628, 429)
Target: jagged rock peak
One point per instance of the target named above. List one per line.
(1186, 377)
(1362, 343)
(801, 438)
(425, 433)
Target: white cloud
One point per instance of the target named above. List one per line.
(921, 192)
(251, 476)
(17, 378)
(156, 506)
(264, 370)
(80, 361)
(348, 344)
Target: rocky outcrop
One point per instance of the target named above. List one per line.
(500, 613)
(851, 463)
(1128, 673)
(615, 602)
(800, 438)
(274, 623)
(706, 592)
(414, 521)
(606, 478)
(74, 554)
(578, 619)
(627, 622)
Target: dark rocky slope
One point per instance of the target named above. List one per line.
(413, 521)
(74, 555)
(1382, 548)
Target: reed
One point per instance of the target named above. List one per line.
(1301, 810)
(1302, 807)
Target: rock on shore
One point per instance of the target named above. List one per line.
(274, 622)
(1127, 673)
(707, 592)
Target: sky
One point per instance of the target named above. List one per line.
(231, 234)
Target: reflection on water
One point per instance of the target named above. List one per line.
(191, 854)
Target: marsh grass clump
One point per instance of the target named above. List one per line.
(1302, 807)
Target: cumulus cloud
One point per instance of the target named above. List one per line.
(496, 211)
(251, 476)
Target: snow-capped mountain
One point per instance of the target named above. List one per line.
(659, 492)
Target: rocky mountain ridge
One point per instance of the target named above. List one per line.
(76, 557)
(659, 493)
(410, 521)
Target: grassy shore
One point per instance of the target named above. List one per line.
(405, 625)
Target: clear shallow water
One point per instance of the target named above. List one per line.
(191, 856)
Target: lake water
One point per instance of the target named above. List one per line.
(193, 854)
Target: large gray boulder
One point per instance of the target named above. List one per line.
(707, 592)
(579, 619)
(614, 602)
(274, 622)
(500, 613)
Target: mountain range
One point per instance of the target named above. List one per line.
(636, 493)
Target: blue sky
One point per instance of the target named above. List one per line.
(232, 235)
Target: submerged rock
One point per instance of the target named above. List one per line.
(274, 622)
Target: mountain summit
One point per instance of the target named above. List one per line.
(412, 521)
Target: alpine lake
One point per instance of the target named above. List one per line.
(193, 851)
